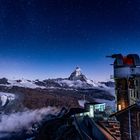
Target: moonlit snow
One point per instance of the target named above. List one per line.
(23, 83)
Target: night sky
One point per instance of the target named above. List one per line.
(49, 38)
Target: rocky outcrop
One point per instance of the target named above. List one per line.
(77, 75)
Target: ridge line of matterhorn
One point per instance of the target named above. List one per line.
(77, 75)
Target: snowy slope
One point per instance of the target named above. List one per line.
(23, 83)
(5, 97)
(76, 80)
(57, 83)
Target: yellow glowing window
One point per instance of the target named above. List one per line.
(119, 107)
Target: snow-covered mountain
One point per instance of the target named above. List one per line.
(76, 80)
(77, 75)
(54, 92)
(17, 97)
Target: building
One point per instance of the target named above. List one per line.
(129, 119)
(94, 109)
(112, 126)
(127, 79)
(102, 126)
(127, 89)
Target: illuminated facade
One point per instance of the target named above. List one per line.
(93, 108)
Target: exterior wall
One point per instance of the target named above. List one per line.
(122, 93)
(134, 90)
(127, 88)
(99, 107)
(137, 122)
(127, 91)
(93, 108)
(125, 72)
(130, 129)
(137, 87)
(132, 95)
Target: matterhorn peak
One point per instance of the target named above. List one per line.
(77, 75)
(78, 71)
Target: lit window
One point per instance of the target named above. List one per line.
(102, 108)
(119, 107)
(91, 111)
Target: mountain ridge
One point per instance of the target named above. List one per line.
(75, 80)
(58, 92)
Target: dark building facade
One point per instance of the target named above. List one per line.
(127, 89)
(129, 119)
(127, 79)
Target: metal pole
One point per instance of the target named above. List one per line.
(130, 134)
(129, 113)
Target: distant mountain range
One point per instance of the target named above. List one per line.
(55, 92)
(76, 80)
